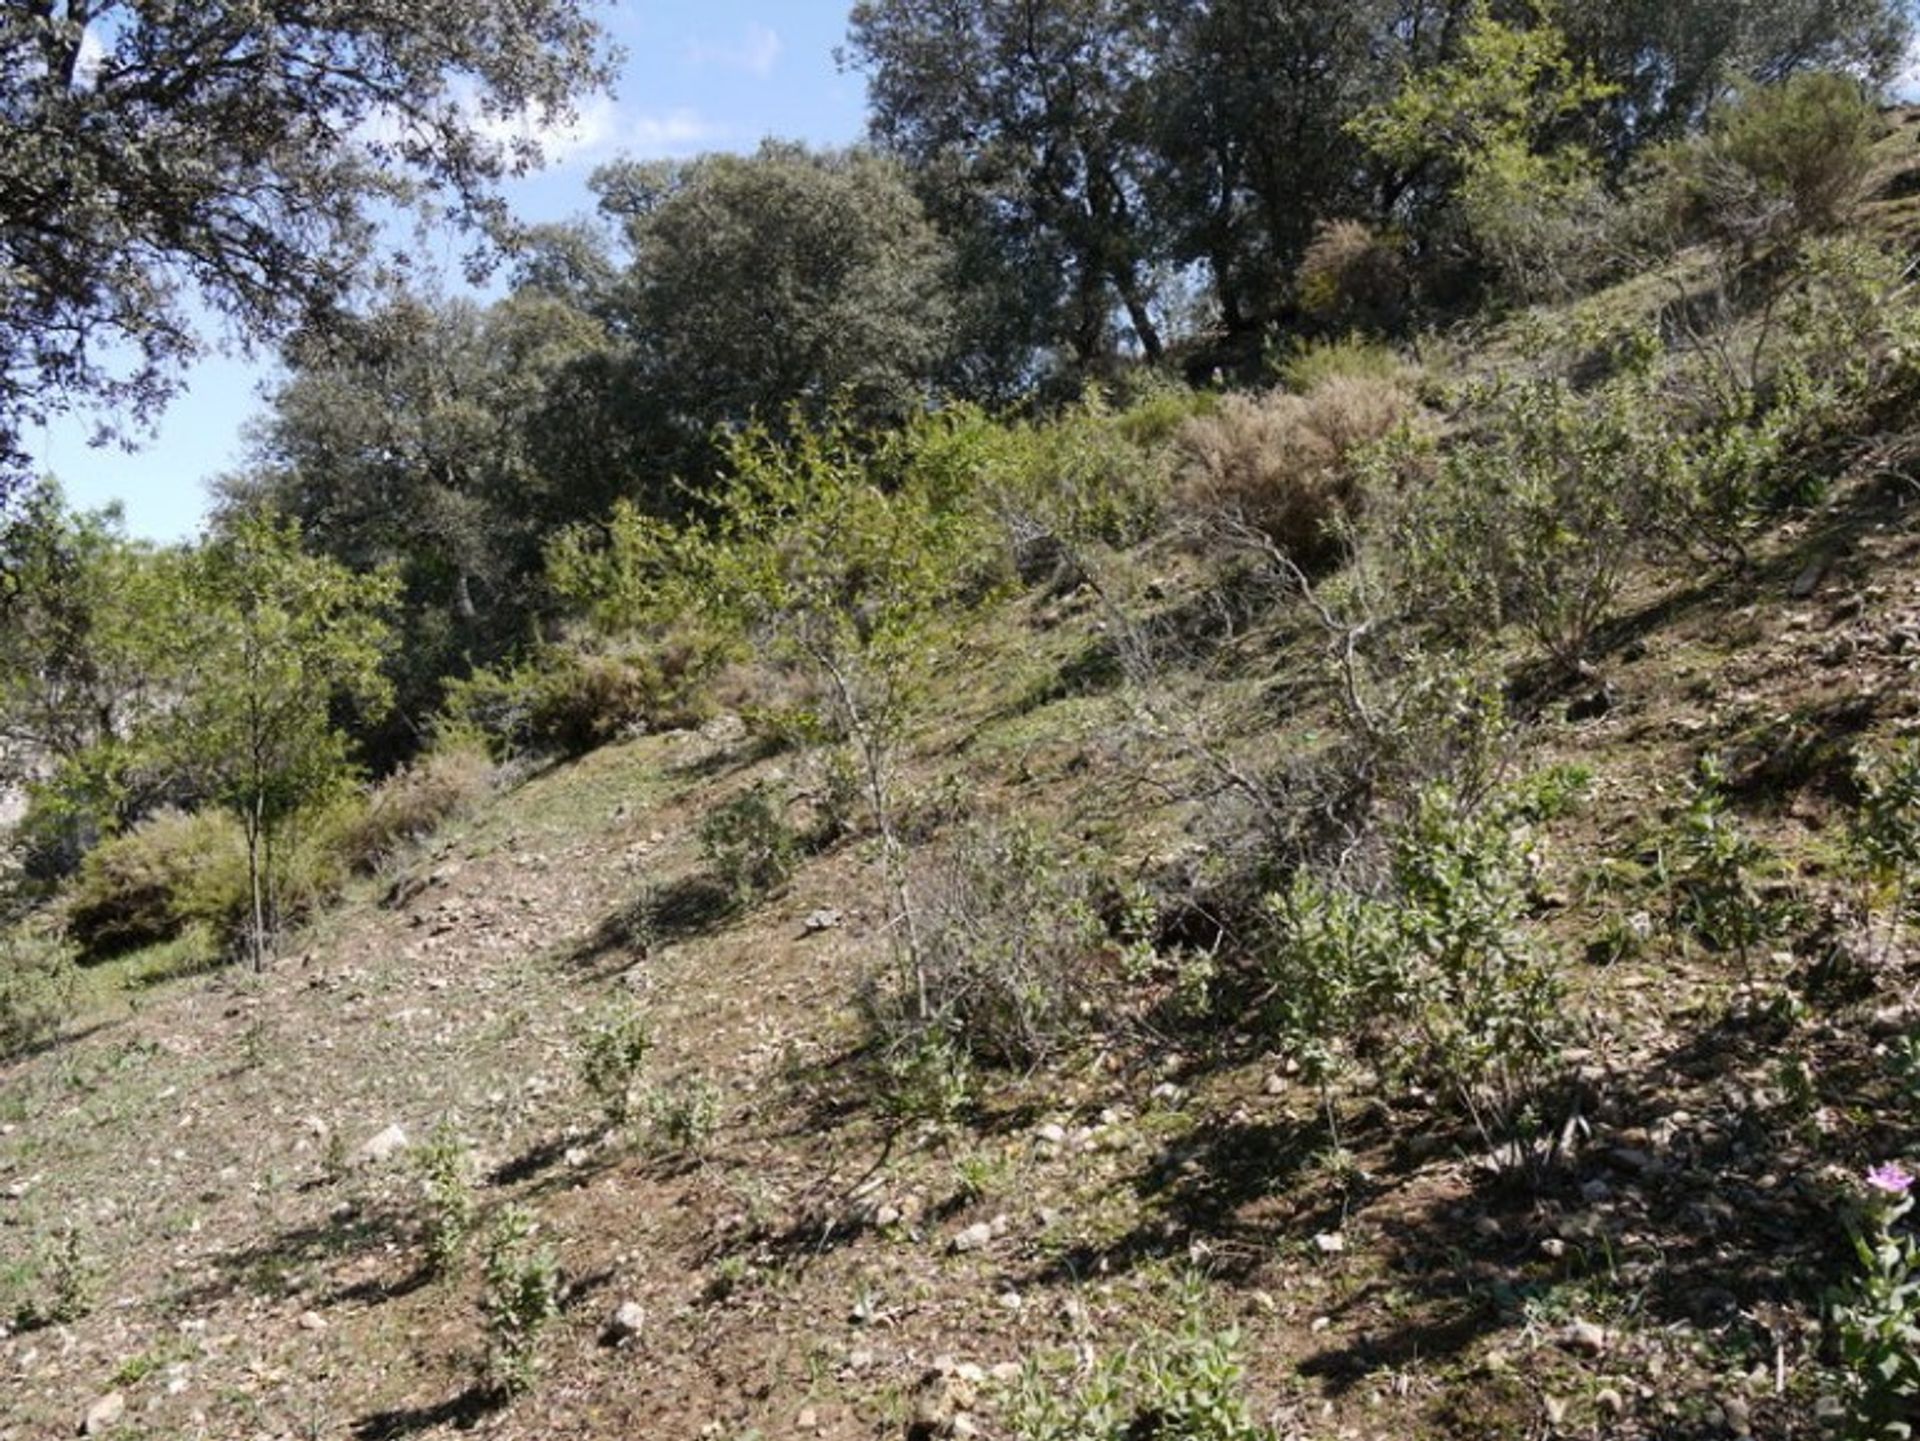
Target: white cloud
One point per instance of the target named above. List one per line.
(562, 139)
(659, 137)
(756, 53)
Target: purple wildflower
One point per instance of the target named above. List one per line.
(1890, 1177)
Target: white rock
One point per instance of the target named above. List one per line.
(104, 1414)
(382, 1147)
(628, 1320)
(1330, 1243)
(975, 1238)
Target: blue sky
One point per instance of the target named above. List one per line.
(714, 75)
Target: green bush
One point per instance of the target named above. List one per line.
(1722, 882)
(1780, 162)
(1434, 975)
(613, 1052)
(153, 882)
(520, 1300)
(1186, 1384)
(36, 989)
(445, 1168)
(567, 700)
(683, 1114)
(749, 841)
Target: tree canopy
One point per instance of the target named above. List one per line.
(236, 152)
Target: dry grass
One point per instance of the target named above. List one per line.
(1279, 463)
(411, 805)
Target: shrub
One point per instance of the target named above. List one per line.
(1280, 463)
(1876, 1321)
(1307, 365)
(1883, 838)
(1718, 877)
(1010, 946)
(1781, 162)
(1351, 277)
(521, 1298)
(1186, 1384)
(406, 808)
(445, 1168)
(613, 1052)
(36, 989)
(149, 884)
(749, 842)
(1432, 974)
(568, 700)
(57, 1286)
(684, 1113)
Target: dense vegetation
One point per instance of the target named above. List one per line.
(1399, 358)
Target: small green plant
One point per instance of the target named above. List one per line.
(613, 1053)
(1435, 975)
(1186, 1384)
(445, 1168)
(1877, 1320)
(749, 842)
(1884, 837)
(928, 1077)
(57, 1286)
(1716, 876)
(37, 979)
(522, 1297)
(684, 1114)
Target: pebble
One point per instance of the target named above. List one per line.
(976, 1237)
(628, 1320)
(382, 1146)
(104, 1414)
(1584, 1337)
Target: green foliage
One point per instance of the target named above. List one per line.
(36, 989)
(444, 1166)
(1553, 499)
(1435, 975)
(1883, 834)
(520, 1300)
(926, 1076)
(1186, 1384)
(1779, 163)
(263, 641)
(683, 1114)
(785, 280)
(1487, 116)
(1719, 878)
(612, 1054)
(168, 873)
(1877, 1325)
(256, 210)
(1307, 365)
(749, 842)
(57, 1285)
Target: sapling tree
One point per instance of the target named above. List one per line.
(810, 560)
(261, 641)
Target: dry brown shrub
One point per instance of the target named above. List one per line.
(409, 806)
(1352, 277)
(1279, 463)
